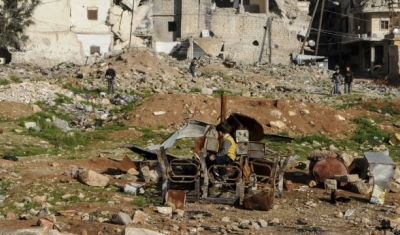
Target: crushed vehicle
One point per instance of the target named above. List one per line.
(254, 179)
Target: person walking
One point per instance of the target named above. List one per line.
(336, 79)
(192, 68)
(110, 76)
(348, 79)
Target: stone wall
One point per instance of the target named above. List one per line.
(243, 34)
(50, 49)
(165, 11)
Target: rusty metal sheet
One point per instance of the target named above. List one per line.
(239, 121)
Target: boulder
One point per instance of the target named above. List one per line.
(121, 218)
(92, 178)
(140, 217)
(139, 231)
(277, 124)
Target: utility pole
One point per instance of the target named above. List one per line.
(309, 27)
(130, 34)
(319, 26)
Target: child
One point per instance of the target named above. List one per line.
(227, 151)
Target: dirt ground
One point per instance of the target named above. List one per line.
(298, 212)
(301, 118)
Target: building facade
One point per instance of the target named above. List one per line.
(66, 31)
(366, 26)
(252, 31)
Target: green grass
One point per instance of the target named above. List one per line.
(29, 150)
(16, 79)
(221, 91)
(78, 90)
(195, 90)
(139, 201)
(183, 147)
(4, 82)
(366, 131)
(5, 185)
(62, 99)
(52, 133)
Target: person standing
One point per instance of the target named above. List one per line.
(192, 68)
(348, 79)
(110, 76)
(336, 79)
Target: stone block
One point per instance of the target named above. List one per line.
(330, 184)
(348, 178)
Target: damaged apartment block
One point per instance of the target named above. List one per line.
(247, 31)
(132, 24)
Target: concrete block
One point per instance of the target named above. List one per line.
(347, 178)
(330, 184)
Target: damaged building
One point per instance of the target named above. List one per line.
(246, 31)
(66, 31)
(79, 32)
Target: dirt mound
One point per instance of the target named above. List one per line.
(299, 118)
(145, 62)
(14, 110)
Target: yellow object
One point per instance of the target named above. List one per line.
(395, 140)
(378, 195)
(232, 148)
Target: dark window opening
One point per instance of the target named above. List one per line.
(92, 13)
(172, 26)
(384, 24)
(255, 43)
(94, 49)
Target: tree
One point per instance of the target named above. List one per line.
(15, 18)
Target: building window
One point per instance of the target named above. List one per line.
(171, 26)
(92, 13)
(94, 49)
(384, 24)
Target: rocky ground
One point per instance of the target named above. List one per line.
(45, 191)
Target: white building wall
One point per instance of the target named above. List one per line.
(79, 16)
(101, 40)
(376, 19)
(50, 49)
(51, 16)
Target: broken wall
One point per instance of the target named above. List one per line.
(49, 49)
(243, 34)
(167, 19)
(50, 40)
(80, 21)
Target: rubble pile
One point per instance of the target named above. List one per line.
(31, 92)
(143, 70)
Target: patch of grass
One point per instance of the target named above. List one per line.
(139, 201)
(148, 133)
(182, 147)
(63, 99)
(32, 205)
(83, 90)
(52, 133)
(221, 91)
(5, 185)
(309, 139)
(195, 90)
(29, 150)
(4, 82)
(366, 131)
(16, 79)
